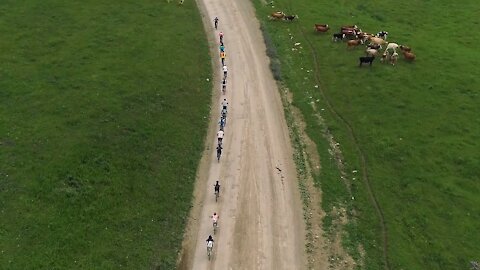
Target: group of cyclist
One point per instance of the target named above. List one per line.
(214, 218)
(223, 113)
(220, 134)
(222, 57)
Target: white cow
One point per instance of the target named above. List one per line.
(393, 46)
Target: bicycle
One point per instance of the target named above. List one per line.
(216, 22)
(224, 117)
(216, 187)
(219, 152)
(215, 227)
(223, 114)
(222, 124)
(224, 86)
(209, 249)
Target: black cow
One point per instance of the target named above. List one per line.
(366, 59)
(290, 17)
(382, 34)
(338, 36)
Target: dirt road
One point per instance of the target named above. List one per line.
(261, 217)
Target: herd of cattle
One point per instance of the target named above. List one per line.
(354, 36)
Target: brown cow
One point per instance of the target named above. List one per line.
(353, 43)
(364, 35)
(377, 40)
(321, 28)
(350, 34)
(405, 48)
(349, 31)
(409, 56)
(349, 27)
(277, 15)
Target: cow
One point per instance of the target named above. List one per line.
(393, 58)
(365, 34)
(363, 37)
(366, 59)
(277, 15)
(382, 34)
(373, 46)
(349, 31)
(371, 52)
(351, 34)
(385, 57)
(409, 56)
(378, 41)
(338, 36)
(353, 43)
(290, 17)
(392, 46)
(321, 27)
(349, 27)
(405, 48)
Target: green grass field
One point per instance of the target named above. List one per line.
(100, 132)
(416, 124)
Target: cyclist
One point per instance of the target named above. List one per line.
(225, 71)
(224, 114)
(222, 48)
(222, 123)
(222, 57)
(221, 37)
(220, 134)
(219, 151)
(224, 104)
(209, 245)
(216, 22)
(215, 218)
(224, 86)
(216, 187)
(210, 239)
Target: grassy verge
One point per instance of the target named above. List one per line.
(414, 125)
(101, 134)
